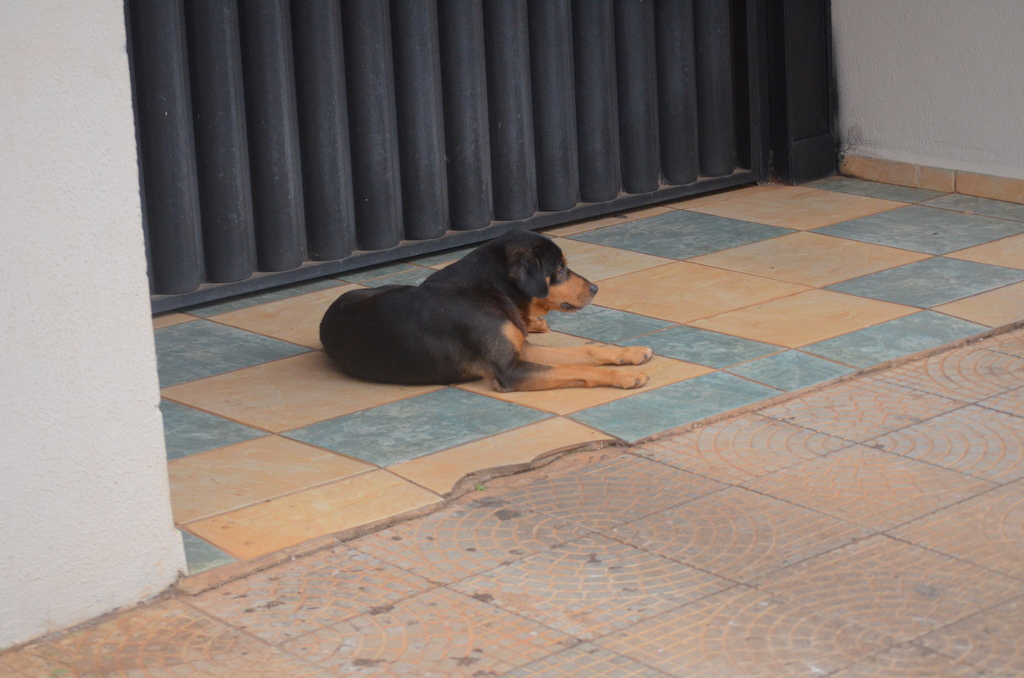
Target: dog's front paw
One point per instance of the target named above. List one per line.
(538, 325)
(635, 355)
(629, 379)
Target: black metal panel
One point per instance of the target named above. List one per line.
(323, 128)
(409, 126)
(420, 118)
(467, 142)
(677, 90)
(802, 90)
(638, 95)
(554, 104)
(273, 132)
(510, 109)
(166, 153)
(597, 111)
(222, 153)
(714, 87)
(373, 125)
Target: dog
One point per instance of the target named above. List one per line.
(470, 320)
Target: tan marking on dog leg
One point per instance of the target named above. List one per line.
(587, 355)
(586, 376)
(514, 335)
(537, 325)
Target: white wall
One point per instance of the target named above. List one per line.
(85, 522)
(933, 82)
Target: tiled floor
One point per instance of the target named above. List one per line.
(874, 527)
(743, 295)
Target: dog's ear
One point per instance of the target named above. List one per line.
(527, 273)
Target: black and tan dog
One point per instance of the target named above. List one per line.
(470, 320)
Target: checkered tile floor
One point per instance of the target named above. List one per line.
(743, 296)
(874, 527)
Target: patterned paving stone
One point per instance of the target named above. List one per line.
(438, 634)
(987, 530)
(872, 489)
(1011, 343)
(972, 440)
(737, 450)
(169, 639)
(891, 587)
(909, 661)
(1011, 402)
(310, 594)
(968, 374)
(611, 492)
(862, 409)
(585, 661)
(990, 641)
(744, 632)
(591, 586)
(463, 540)
(738, 534)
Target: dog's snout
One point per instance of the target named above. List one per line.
(593, 288)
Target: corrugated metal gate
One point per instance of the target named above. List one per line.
(283, 141)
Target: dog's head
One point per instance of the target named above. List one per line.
(537, 267)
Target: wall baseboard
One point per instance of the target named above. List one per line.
(933, 178)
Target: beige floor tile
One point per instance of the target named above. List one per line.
(610, 220)
(804, 318)
(296, 319)
(246, 473)
(683, 292)
(440, 471)
(168, 319)
(995, 308)
(809, 259)
(597, 262)
(661, 371)
(287, 394)
(1007, 252)
(798, 207)
(276, 524)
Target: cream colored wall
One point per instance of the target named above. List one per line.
(85, 521)
(933, 82)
